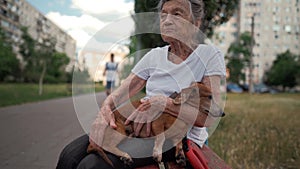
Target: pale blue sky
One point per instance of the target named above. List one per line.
(62, 6)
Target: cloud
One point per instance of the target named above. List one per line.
(115, 8)
(81, 37)
(95, 15)
(80, 28)
(85, 22)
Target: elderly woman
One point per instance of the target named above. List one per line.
(162, 71)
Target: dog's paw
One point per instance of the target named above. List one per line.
(127, 160)
(180, 159)
(157, 156)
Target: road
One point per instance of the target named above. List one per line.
(32, 135)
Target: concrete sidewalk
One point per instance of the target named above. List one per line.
(33, 135)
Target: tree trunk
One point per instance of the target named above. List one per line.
(42, 78)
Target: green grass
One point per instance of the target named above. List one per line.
(259, 131)
(13, 94)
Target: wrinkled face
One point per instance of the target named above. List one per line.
(176, 21)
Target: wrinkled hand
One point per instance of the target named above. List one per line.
(104, 118)
(149, 110)
(108, 115)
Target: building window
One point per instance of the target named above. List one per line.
(222, 35)
(4, 23)
(276, 9)
(276, 27)
(288, 28)
(234, 34)
(285, 47)
(269, 9)
(276, 18)
(257, 25)
(297, 29)
(267, 27)
(222, 44)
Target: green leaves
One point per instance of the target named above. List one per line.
(9, 64)
(236, 65)
(27, 45)
(284, 71)
(218, 12)
(40, 55)
(239, 54)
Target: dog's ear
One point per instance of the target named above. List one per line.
(204, 91)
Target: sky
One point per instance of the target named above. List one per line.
(83, 18)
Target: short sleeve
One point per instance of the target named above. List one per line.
(216, 65)
(141, 69)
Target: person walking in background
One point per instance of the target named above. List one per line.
(110, 72)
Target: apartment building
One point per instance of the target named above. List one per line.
(17, 13)
(227, 33)
(9, 20)
(276, 29)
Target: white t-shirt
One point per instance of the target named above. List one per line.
(111, 69)
(165, 77)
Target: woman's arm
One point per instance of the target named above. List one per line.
(130, 86)
(192, 115)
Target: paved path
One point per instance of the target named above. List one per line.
(32, 135)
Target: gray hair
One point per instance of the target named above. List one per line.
(197, 8)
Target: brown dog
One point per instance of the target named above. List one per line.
(166, 126)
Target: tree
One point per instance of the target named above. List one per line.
(44, 55)
(56, 69)
(235, 65)
(238, 56)
(9, 64)
(27, 50)
(284, 70)
(42, 60)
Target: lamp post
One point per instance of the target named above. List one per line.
(251, 56)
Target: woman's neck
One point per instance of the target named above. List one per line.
(179, 52)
